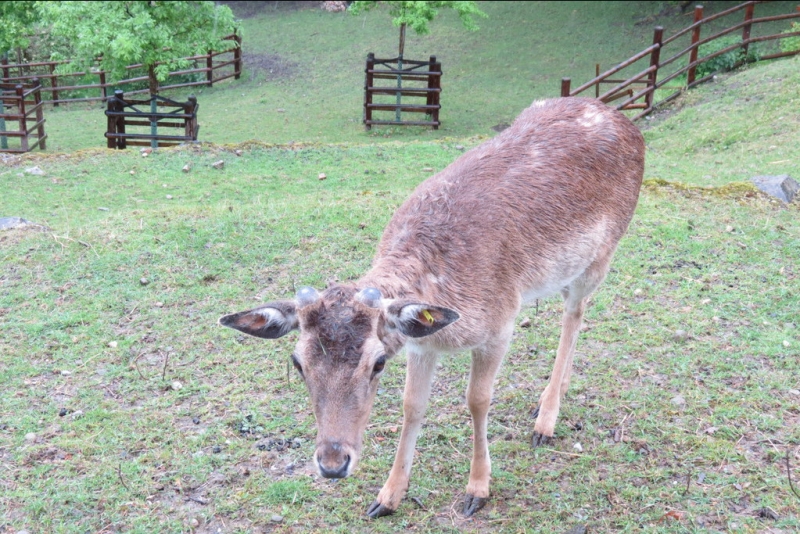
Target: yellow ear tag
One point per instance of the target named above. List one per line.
(428, 316)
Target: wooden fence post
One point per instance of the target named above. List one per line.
(565, 83)
(4, 63)
(191, 123)
(37, 101)
(54, 84)
(103, 85)
(210, 68)
(435, 82)
(23, 126)
(237, 56)
(111, 128)
(658, 34)
(748, 16)
(698, 16)
(367, 90)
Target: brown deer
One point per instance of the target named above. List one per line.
(537, 210)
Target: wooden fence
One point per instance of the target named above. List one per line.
(403, 70)
(214, 67)
(23, 104)
(639, 91)
(123, 112)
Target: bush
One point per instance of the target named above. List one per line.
(791, 44)
(723, 62)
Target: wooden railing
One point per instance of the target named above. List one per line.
(214, 66)
(639, 91)
(22, 104)
(123, 112)
(403, 71)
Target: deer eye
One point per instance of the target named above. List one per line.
(380, 363)
(297, 365)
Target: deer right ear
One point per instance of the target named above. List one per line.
(270, 321)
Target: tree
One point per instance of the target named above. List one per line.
(18, 19)
(417, 15)
(157, 34)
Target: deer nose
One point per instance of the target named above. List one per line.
(332, 460)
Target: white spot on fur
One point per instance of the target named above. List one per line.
(591, 118)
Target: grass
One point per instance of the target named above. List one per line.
(311, 88)
(124, 408)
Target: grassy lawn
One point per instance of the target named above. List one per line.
(125, 408)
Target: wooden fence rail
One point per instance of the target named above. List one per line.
(403, 70)
(639, 90)
(123, 112)
(23, 104)
(214, 70)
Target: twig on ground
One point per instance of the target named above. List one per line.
(122, 480)
(166, 361)
(789, 476)
(688, 482)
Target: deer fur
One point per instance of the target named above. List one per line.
(535, 211)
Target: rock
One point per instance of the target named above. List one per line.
(237, 152)
(112, 344)
(218, 164)
(7, 223)
(525, 322)
(782, 187)
(176, 385)
(187, 167)
(459, 147)
(680, 336)
(322, 176)
(276, 518)
(768, 513)
(30, 437)
(427, 169)
(35, 171)
(577, 447)
(144, 281)
(102, 209)
(169, 197)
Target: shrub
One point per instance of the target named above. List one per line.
(791, 44)
(723, 62)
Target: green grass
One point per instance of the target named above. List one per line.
(315, 92)
(125, 408)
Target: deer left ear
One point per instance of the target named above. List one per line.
(415, 319)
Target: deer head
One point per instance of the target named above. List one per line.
(346, 338)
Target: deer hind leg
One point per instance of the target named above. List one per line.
(485, 364)
(576, 296)
(419, 374)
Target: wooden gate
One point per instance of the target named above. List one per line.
(22, 104)
(403, 70)
(123, 113)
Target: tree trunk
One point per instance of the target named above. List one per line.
(402, 39)
(151, 75)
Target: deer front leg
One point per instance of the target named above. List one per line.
(419, 374)
(550, 402)
(485, 363)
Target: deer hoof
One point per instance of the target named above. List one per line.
(472, 504)
(377, 510)
(540, 440)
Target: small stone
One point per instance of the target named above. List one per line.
(144, 281)
(216, 449)
(159, 304)
(218, 164)
(322, 176)
(794, 392)
(133, 172)
(62, 412)
(196, 420)
(237, 152)
(77, 414)
(194, 523)
(786, 343)
(35, 171)
(66, 373)
(637, 292)
(103, 209)
(577, 447)
(427, 169)
(768, 513)
(459, 147)
(176, 385)
(729, 228)
(30, 437)
(680, 335)
(525, 322)
(678, 400)
(112, 344)
(187, 167)
(169, 197)
(276, 518)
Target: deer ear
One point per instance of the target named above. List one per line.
(270, 321)
(415, 319)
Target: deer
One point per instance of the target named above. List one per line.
(535, 211)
